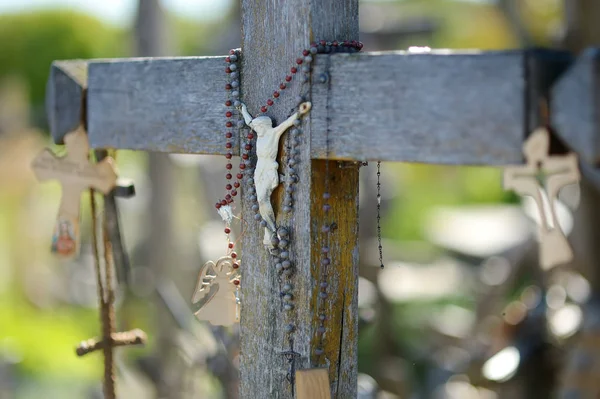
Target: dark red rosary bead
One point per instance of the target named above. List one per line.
(229, 124)
(227, 230)
(233, 255)
(227, 86)
(288, 78)
(305, 52)
(228, 155)
(250, 136)
(228, 114)
(236, 184)
(299, 61)
(242, 166)
(228, 197)
(239, 176)
(218, 205)
(228, 166)
(244, 156)
(335, 43)
(230, 245)
(227, 59)
(228, 176)
(223, 202)
(228, 187)
(228, 103)
(234, 192)
(229, 135)
(232, 52)
(236, 282)
(269, 102)
(228, 145)
(294, 70)
(235, 265)
(263, 109)
(248, 147)
(229, 201)
(276, 94)
(227, 70)
(282, 86)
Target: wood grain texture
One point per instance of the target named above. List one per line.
(65, 91)
(274, 32)
(443, 107)
(174, 105)
(575, 105)
(313, 384)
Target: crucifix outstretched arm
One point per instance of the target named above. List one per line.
(289, 122)
(246, 115)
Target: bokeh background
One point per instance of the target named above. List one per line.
(461, 310)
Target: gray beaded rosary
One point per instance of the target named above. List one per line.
(261, 181)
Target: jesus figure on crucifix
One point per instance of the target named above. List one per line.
(266, 177)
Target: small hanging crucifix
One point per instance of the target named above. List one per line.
(215, 297)
(542, 178)
(266, 177)
(75, 173)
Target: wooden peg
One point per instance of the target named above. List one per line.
(313, 384)
(542, 178)
(75, 173)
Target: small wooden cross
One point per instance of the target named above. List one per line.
(75, 173)
(542, 178)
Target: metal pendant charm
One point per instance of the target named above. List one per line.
(215, 297)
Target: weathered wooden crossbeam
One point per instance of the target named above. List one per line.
(441, 107)
(576, 104)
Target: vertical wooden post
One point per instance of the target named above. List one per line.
(151, 31)
(274, 33)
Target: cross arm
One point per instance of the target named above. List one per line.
(440, 107)
(575, 104)
(65, 94)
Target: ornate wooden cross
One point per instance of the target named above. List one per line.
(76, 174)
(442, 107)
(542, 178)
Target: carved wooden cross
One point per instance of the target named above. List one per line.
(76, 174)
(553, 173)
(440, 107)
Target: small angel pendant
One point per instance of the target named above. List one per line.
(216, 296)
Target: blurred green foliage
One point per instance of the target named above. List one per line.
(30, 42)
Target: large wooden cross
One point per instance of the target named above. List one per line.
(472, 108)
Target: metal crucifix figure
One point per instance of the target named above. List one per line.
(266, 177)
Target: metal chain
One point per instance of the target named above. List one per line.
(379, 214)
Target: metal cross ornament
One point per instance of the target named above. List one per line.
(542, 178)
(266, 177)
(75, 173)
(215, 297)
